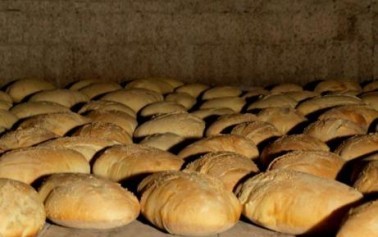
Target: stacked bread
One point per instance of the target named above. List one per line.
(190, 157)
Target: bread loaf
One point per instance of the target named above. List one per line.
(181, 98)
(285, 87)
(122, 162)
(135, 98)
(229, 142)
(65, 97)
(193, 89)
(188, 203)
(337, 85)
(273, 100)
(31, 108)
(220, 91)
(360, 221)
(257, 131)
(366, 180)
(163, 141)
(225, 121)
(180, 123)
(154, 84)
(231, 102)
(21, 211)
(29, 164)
(7, 119)
(104, 130)
(99, 88)
(104, 105)
(295, 142)
(20, 89)
(87, 202)
(295, 202)
(229, 167)
(319, 163)
(211, 113)
(161, 107)
(358, 146)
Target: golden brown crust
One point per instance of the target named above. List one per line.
(87, 146)
(332, 128)
(181, 98)
(7, 119)
(21, 211)
(337, 85)
(288, 143)
(99, 88)
(29, 164)
(188, 203)
(284, 119)
(22, 88)
(319, 163)
(104, 105)
(104, 130)
(65, 97)
(361, 221)
(285, 87)
(180, 123)
(193, 89)
(122, 119)
(154, 84)
(220, 91)
(358, 146)
(123, 162)
(31, 108)
(208, 113)
(161, 107)
(257, 131)
(295, 202)
(229, 142)
(135, 98)
(366, 180)
(163, 141)
(59, 123)
(86, 201)
(229, 167)
(230, 102)
(225, 121)
(273, 100)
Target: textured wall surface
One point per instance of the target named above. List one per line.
(247, 42)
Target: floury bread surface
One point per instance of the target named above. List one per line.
(86, 201)
(295, 202)
(188, 203)
(21, 210)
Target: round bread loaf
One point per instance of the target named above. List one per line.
(153, 84)
(180, 123)
(333, 128)
(122, 119)
(123, 162)
(220, 91)
(99, 88)
(273, 100)
(104, 130)
(231, 102)
(22, 88)
(86, 201)
(228, 120)
(188, 203)
(87, 146)
(284, 119)
(31, 108)
(163, 141)
(295, 142)
(362, 115)
(193, 89)
(229, 142)
(229, 167)
(319, 163)
(65, 97)
(210, 113)
(25, 137)
(358, 146)
(161, 107)
(7, 119)
(360, 221)
(29, 164)
(337, 85)
(257, 131)
(366, 180)
(370, 98)
(104, 105)
(79, 84)
(295, 202)
(285, 87)
(169, 80)
(21, 211)
(181, 98)
(301, 95)
(59, 123)
(318, 103)
(254, 92)
(135, 98)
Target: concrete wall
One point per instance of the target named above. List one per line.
(222, 41)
